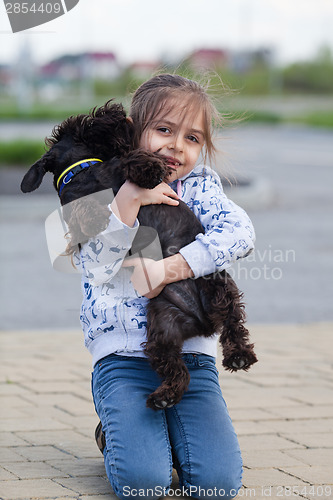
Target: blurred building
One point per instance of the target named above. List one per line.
(242, 61)
(208, 59)
(143, 69)
(5, 76)
(71, 67)
(237, 61)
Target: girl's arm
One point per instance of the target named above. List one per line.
(229, 236)
(229, 233)
(102, 256)
(131, 197)
(149, 277)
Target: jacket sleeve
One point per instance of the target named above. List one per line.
(101, 257)
(229, 233)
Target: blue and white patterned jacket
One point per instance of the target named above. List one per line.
(112, 313)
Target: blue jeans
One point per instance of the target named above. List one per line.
(196, 436)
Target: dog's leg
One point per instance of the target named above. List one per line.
(145, 169)
(228, 317)
(168, 327)
(166, 360)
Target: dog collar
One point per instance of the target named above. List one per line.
(68, 174)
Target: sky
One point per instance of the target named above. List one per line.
(145, 30)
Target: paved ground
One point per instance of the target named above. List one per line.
(282, 411)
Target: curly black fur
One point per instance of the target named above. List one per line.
(184, 309)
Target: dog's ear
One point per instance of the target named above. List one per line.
(33, 178)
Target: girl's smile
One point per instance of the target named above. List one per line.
(177, 136)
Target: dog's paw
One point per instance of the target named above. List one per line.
(162, 399)
(145, 169)
(159, 404)
(240, 361)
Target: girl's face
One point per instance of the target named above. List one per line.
(178, 138)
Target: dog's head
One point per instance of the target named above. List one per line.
(103, 133)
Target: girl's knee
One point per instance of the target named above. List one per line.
(216, 484)
(224, 490)
(151, 484)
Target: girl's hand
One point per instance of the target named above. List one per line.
(151, 276)
(162, 193)
(131, 197)
(148, 275)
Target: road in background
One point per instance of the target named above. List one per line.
(287, 279)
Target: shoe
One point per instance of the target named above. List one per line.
(100, 437)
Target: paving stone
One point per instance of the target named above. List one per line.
(318, 492)
(9, 455)
(269, 477)
(303, 411)
(255, 414)
(311, 440)
(40, 453)
(266, 442)
(265, 398)
(5, 475)
(63, 498)
(262, 380)
(34, 470)
(12, 401)
(67, 402)
(110, 496)
(55, 387)
(250, 427)
(79, 422)
(262, 492)
(315, 395)
(56, 438)
(87, 485)
(12, 388)
(32, 488)
(49, 412)
(315, 474)
(9, 413)
(85, 449)
(80, 467)
(268, 458)
(318, 425)
(28, 424)
(10, 439)
(320, 457)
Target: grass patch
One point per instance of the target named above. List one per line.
(316, 119)
(20, 152)
(50, 112)
(262, 117)
(39, 113)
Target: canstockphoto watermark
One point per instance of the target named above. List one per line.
(160, 491)
(25, 14)
(262, 492)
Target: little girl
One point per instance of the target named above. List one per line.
(173, 116)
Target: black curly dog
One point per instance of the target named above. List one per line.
(185, 309)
